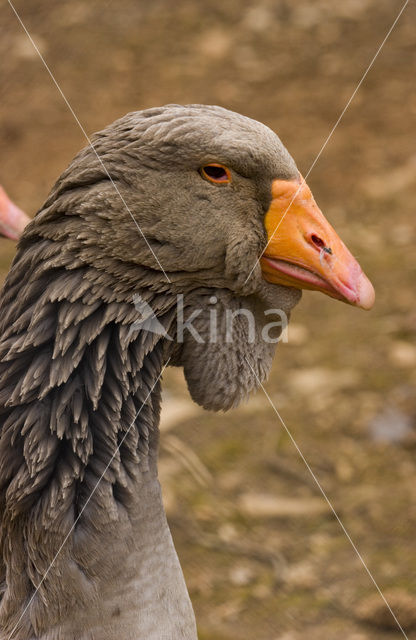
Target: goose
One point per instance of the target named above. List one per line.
(169, 205)
(12, 219)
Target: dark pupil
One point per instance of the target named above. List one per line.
(215, 172)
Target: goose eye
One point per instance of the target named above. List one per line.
(216, 173)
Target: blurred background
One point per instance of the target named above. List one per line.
(263, 556)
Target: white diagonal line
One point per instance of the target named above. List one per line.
(331, 133)
(86, 503)
(318, 484)
(86, 136)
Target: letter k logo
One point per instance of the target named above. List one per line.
(148, 320)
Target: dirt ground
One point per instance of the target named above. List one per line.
(263, 555)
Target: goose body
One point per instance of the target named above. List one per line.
(86, 551)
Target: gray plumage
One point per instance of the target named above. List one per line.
(73, 376)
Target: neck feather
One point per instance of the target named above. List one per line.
(79, 409)
(79, 413)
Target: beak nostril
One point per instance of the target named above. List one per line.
(318, 242)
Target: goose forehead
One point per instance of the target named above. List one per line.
(210, 132)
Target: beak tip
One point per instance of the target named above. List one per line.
(12, 219)
(366, 293)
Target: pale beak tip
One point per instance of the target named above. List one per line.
(12, 219)
(366, 293)
(22, 222)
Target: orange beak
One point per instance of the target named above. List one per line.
(303, 250)
(12, 219)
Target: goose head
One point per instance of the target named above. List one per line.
(211, 191)
(209, 204)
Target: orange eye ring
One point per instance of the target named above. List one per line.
(216, 173)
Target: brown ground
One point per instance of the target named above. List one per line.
(263, 556)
